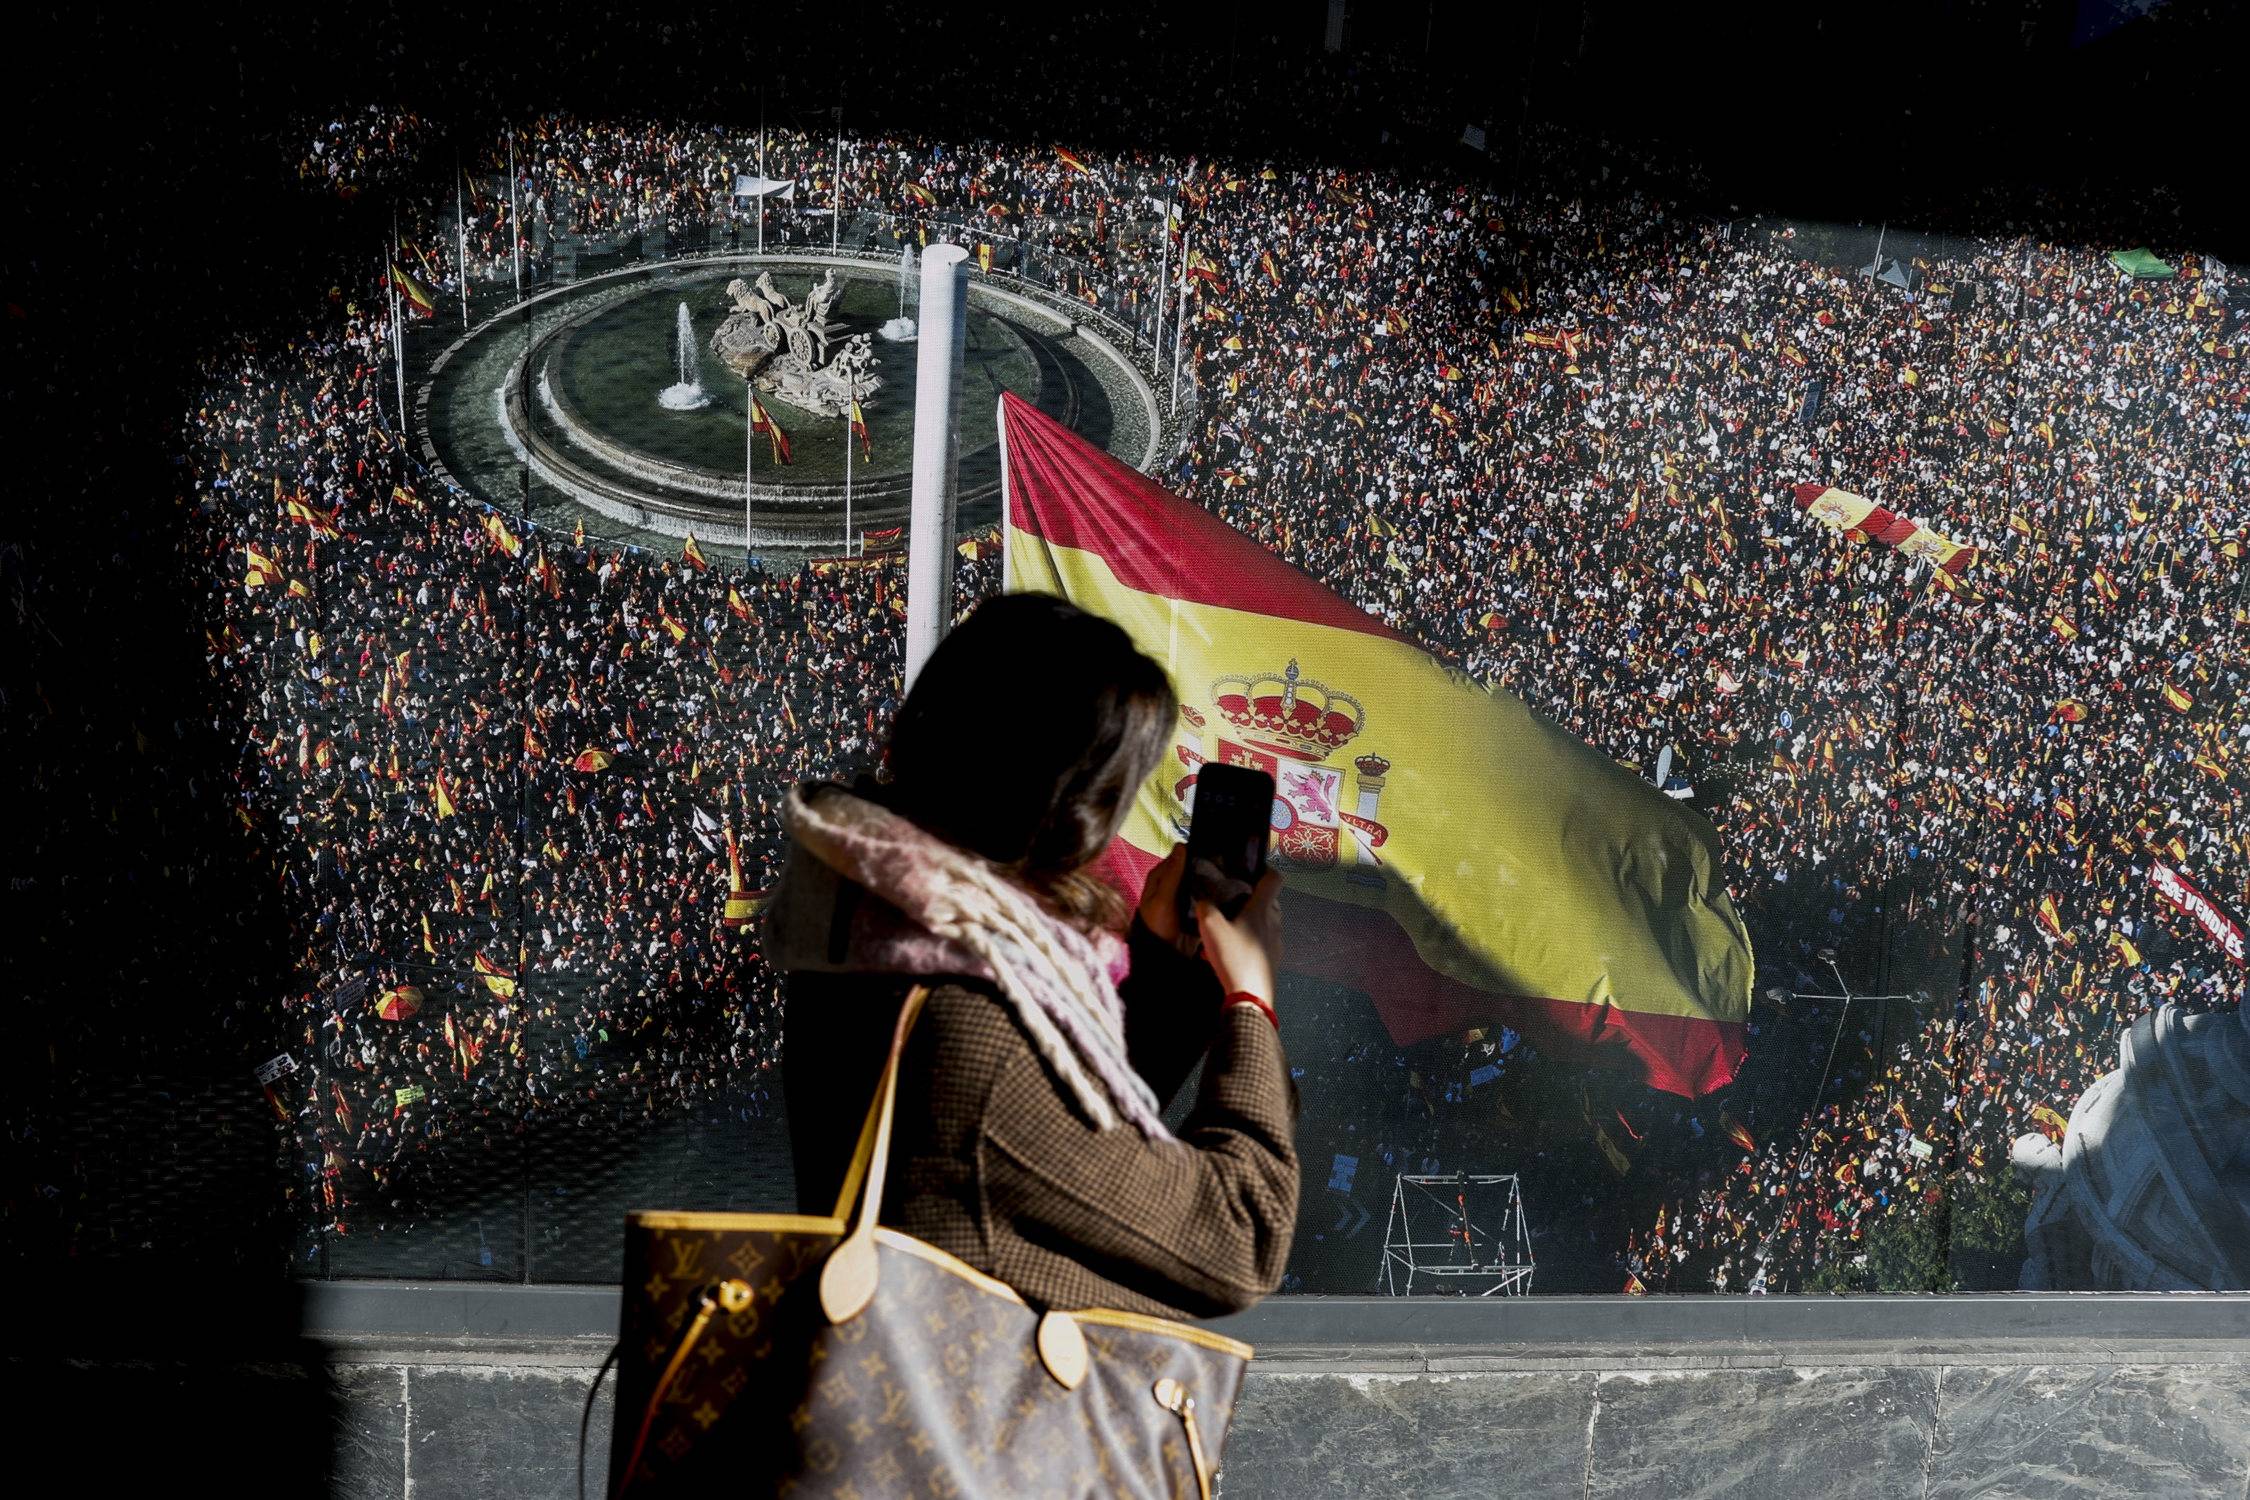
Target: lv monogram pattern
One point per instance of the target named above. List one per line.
(936, 1389)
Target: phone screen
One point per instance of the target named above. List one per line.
(1231, 822)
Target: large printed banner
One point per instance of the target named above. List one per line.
(1449, 853)
(1841, 510)
(2182, 893)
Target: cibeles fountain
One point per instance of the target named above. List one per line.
(623, 396)
(789, 351)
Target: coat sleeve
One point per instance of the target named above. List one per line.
(1202, 1223)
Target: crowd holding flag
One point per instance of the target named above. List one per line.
(1840, 510)
(502, 982)
(503, 540)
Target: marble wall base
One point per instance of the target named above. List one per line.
(437, 1422)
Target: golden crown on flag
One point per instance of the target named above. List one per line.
(1276, 711)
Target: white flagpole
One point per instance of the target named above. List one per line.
(937, 374)
(1163, 274)
(1179, 332)
(1007, 551)
(398, 326)
(848, 469)
(749, 463)
(515, 226)
(390, 308)
(461, 229)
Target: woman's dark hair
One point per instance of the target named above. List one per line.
(1026, 736)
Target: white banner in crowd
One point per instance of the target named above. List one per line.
(749, 185)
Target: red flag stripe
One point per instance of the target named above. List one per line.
(1366, 950)
(1191, 555)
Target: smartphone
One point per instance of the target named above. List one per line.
(1229, 826)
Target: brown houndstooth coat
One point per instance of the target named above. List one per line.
(991, 1161)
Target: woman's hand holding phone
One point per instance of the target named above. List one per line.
(1245, 950)
(1160, 896)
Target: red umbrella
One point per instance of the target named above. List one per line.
(397, 1004)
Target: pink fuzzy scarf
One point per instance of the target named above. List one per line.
(942, 910)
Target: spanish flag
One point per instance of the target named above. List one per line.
(1738, 1132)
(262, 569)
(692, 555)
(2178, 699)
(322, 523)
(591, 760)
(1449, 853)
(760, 422)
(742, 904)
(1071, 160)
(736, 605)
(496, 979)
(984, 257)
(859, 430)
(412, 292)
(502, 539)
(442, 791)
(1842, 511)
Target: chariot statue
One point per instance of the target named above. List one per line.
(2149, 1188)
(791, 352)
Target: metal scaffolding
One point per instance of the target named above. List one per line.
(1463, 1232)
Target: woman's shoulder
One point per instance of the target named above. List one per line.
(968, 1020)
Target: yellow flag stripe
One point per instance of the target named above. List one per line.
(1519, 860)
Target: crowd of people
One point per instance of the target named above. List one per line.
(1556, 437)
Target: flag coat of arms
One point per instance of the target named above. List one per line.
(1447, 851)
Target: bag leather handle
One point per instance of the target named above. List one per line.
(847, 1281)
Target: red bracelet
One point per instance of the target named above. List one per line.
(1244, 997)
